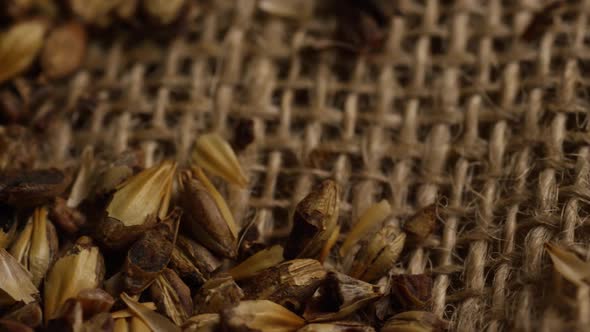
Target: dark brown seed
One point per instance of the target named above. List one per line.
(289, 284)
(113, 233)
(315, 218)
(205, 220)
(172, 296)
(421, 225)
(29, 315)
(192, 262)
(411, 291)
(217, 294)
(29, 188)
(67, 218)
(64, 50)
(150, 254)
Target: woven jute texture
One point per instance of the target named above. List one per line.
(455, 109)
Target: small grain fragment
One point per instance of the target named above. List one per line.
(64, 50)
(193, 262)
(412, 291)
(421, 225)
(217, 294)
(378, 254)
(172, 296)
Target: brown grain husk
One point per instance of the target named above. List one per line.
(314, 220)
(289, 284)
(150, 255)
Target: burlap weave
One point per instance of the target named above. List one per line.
(456, 109)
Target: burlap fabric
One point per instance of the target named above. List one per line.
(456, 109)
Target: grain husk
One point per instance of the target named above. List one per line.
(217, 294)
(289, 284)
(204, 217)
(339, 296)
(16, 285)
(137, 205)
(172, 296)
(19, 45)
(215, 155)
(148, 257)
(82, 267)
(377, 255)
(36, 246)
(192, 262)
(314, 220)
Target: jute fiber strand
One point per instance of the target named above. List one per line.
(456, 109)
